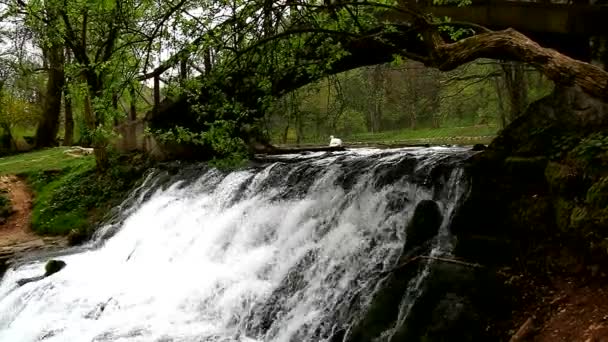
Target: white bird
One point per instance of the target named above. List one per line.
(334, 141)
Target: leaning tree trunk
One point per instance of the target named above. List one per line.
(48, 126)
(512, 45)
(432, 51)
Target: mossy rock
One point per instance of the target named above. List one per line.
(424, 225)
(53, 266)
(590, 220)
(525, 165)
(563, 212)
(564, 179)
(533, 214)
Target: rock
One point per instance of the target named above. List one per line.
(4, 264)
(424, 225)
(478, 147)
(24, 281)
(76, 237)
(53, 266)
(455, 304)
(79, 151)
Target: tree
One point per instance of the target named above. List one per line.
(322, 40)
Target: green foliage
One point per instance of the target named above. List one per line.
(597, 195)
(6, 206)
(69, 194)
(593, 150)
(351, 122)
(77, 197)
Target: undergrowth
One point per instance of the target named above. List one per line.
(80, 196)
(70, 195)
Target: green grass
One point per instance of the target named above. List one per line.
(70, 196)
(43, 160)
(446, 133)
(468, 135)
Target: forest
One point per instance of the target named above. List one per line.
(74, 71)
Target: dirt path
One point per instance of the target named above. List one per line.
(570, 310)
(15, 234)
(580, 314)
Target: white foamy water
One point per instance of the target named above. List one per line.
(272, 253)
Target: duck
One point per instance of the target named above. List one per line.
(333, 142)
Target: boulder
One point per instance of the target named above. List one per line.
(478, 147)
(53, 266)
(424, 225)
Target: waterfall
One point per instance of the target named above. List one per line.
(289, 249)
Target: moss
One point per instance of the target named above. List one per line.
(564, 179)
(580, 217)
(563, 212)
(533, 214)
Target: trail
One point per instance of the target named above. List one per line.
(16, 236)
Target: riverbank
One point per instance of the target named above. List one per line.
(58, 198)
(16, 235)
(536, 216)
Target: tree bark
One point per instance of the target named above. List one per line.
(68, 137)
(517, 88)
(48, 126)
(132, 107)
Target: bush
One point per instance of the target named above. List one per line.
(6, 207)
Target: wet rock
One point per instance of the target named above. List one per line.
(53, 266)
(479, 147)
(77, 237)
(455, 304)
(383, 309)
(24, 281)
(424, 224)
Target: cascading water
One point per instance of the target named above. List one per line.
(289, 250)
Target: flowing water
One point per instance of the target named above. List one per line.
(287, 250)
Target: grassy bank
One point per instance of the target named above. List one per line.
(467, 135)
(69, 194)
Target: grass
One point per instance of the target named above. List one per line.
(468, 135)
(70, 196)
(43, 160)
(446, 133)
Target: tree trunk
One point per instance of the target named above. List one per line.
(517, 88)
(156, 92)
(115, 107)
(68, 134)
(132, 108)
(101, 156)
(512, 45)
(48, 126)
(286, 132)
(68, 137)
(89, 120)
(501, 108)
